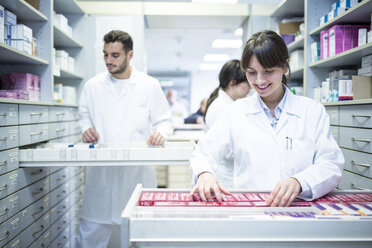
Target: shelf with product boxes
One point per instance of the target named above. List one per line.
(290, 18)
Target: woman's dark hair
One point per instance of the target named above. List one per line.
(123, 37)
(269, 49)
(230, 71)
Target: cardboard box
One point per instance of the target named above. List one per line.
(336, 38)
(289, 28)
(34, 3)
(362, 87)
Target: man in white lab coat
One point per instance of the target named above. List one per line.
(117, 106)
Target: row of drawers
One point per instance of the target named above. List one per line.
(53, 228)
(14, 114)
(15, 136)
(351, 115)
(32, 183)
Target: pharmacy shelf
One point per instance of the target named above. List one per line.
(23, 10)
(295, 45)
(289, 8)
(62, 39)
(353, 102)
(68, 75)
(67, 7)
(10, 55)
(351, 57)
(353, 15)
(8, 100)
(297, 74)
(65, 105)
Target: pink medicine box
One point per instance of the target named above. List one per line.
(336, 38)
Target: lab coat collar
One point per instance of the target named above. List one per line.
(225, 96)
(290, 106)
(131, 78)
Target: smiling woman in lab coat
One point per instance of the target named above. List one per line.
(280, 142)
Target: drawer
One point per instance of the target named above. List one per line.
(77, 194)
(34, 231)
(62, 114)
(356, 139)
(29, 175)
(9, 183)
(58, 178)
(42, 241)
(9, 206)
(9, 229)
(29, 134)
(60, 209)
(15, 243)
(62, 239)
(57, 130)
(335, 133)
(356, 115)
(60, 225)
(34, 211)
(334, 114)
(53, 169)
(76, 181)
(354, 181)
(59, 194)
(358, 162)
(9, 160)
(8, 114)
(29, 114)
(34, 192)
(8, 137)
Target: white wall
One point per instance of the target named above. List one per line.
(202, 85)
(99, 25)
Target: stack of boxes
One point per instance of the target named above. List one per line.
(337, 9)
(62, 22)
(64, 61)
(23, 86)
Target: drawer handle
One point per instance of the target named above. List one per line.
(5, 163)
(61, 178)
(38, 192)
(39, 133)
(39, 171)
(60, 113)
(63, 223)
(6, 211)
(363, 165)
(360, 140)
(33, 113)
(62, 193)
(364, 116)
(352, 185)
(60, 129)
(41, 229)
(7, 233)
(38, 212)
(4, 114)
(3, 139)
(4, 188)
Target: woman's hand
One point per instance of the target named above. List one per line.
(155, 139)
(284, 193)
(90, 136)
(208, 186)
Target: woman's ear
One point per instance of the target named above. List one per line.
(232, 82)
(286, 67)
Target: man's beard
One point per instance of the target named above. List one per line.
(121, 69)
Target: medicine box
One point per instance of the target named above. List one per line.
(21, 45)
(338, 11)
(345, 89)
(2, 30)
(323, 19)
(362, 36)
(365, 71)
(335, 5)
(348, 38)
(19, 32)
(362, 87)
(355, 33)
(9, 18)
(336, 36)
(324, 44)
(347, 3)
(315, 51)
(367, 60)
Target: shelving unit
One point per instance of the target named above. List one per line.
(25, 123)
(289, 9)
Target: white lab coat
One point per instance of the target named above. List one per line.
(261, 157)
(120, 117)
(225, 169)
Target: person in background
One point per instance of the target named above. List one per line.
(198, 116)
(279, 141)
(121, 105)
(178, 108)
(233, 85)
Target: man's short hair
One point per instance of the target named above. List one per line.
(123, 37)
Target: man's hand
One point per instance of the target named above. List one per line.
(284, 193)
(200, 120)
(90, 136)
(208, 184)
(155, 139)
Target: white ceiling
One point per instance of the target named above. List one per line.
(178, 43)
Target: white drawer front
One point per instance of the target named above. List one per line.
(355, 182)
(8, 114)
(33, 114)
(356, 115)
(356, 139)
(29, 134)
(358, 162)
(334, 114)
